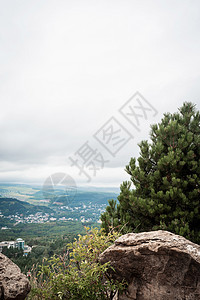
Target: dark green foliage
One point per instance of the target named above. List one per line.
(17, 256)
(42, 231)
(110, 217)
(46, 239)
(12, 253)
(166, 179)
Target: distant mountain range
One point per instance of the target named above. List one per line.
(35, 194)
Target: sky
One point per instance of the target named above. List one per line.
(71, 70)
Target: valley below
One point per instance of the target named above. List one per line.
(47, 224)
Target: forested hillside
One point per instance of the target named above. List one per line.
(11, 206)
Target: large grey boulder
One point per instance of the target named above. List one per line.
(13, 284)
(157, 265)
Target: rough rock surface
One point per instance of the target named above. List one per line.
(13, 284)
(157, 265)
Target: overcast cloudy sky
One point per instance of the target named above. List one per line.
(66, 68)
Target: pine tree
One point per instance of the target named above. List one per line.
(166, 179)
(110, 217)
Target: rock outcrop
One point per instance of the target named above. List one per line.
(157, 265)
(13, 284)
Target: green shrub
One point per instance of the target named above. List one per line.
(77, 274)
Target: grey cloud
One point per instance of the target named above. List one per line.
(67, 67)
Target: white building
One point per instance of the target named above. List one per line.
(18, 244)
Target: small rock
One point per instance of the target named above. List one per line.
(13, 284)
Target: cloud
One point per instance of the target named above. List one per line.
(67, 67)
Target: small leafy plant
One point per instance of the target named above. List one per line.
(78, 273)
